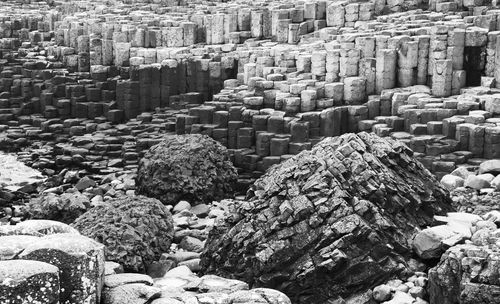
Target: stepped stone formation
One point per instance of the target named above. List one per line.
(364, 133)
(330, 222)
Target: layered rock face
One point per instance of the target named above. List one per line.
(329, 222)
(135, 231)
(468, 273)
(192, 167)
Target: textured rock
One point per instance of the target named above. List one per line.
(451, 182)
(37, 228)
(135, 293)
(328, 222)
(65, 208)
(431, 242)
(490, 166)
(80, 261)
(12, 245)
(135, 231)
(468, 273)
(24, 281)
(192, 167)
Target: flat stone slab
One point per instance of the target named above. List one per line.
(12, 245)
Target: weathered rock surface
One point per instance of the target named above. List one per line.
(329, 222)
(192, 167)
(80, 261)
(65, 208)
(24, 281)
(37, 228)
(135, 231)
(468, 273)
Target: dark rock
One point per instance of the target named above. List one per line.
(135, 231)
(191, 167)
(65, 208)
(330, 222)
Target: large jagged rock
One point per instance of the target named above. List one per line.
(329, 222)
(135, 230)
(468, 273)
(191, 167)
(65, 208)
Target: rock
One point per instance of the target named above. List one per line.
(191, 244)
(135, 293)
(272, 296)
(490, 166)
(493, 216)
(467, 273)
(212, 283)
(382, 293)
(112, 268)
(80, 261)
(191, 167)
(180, 206)
(451, 182)
(462, 172)
(37, 228)
(495, 183)
(417, 292)
(193, 265)
(114, 280)
(65, 208)
(181, 256)
(24, 281)
(477, 182)
(431, 242)
(12, 245)
(135, 231)
(307, 224)
(180, 271)
(158, 269)
(400, 298)
(200, 210)
(84, 183)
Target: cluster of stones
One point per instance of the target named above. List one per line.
(48, 262)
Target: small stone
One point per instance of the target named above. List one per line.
(200, 210)
(84, 183)
(417, 292)
(181, 205)
(490, 166)
(112, 268)
(382, 293)
(193, 264)
(114, 280)
(191, 244)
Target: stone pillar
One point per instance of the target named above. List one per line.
(442, 78)
(386, 70)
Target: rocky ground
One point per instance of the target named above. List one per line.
(199, 152)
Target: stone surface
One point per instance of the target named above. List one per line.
(25, 281)
(80, 261)
(191, 167)
(37, 228)
(468, 273)
(342, 215)
(135, 231)
(64, 208)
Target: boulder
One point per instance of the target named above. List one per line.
(65, 208)
(135, 230)
(330, 222)
(192, 167)
(490, 166)
(468, 273)
(80, 261)
(430, 243)
(451, 182)
(25, 281)
(478, 182)
(134, 293)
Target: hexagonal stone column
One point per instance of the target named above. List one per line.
(25, 281)
(80, 261)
